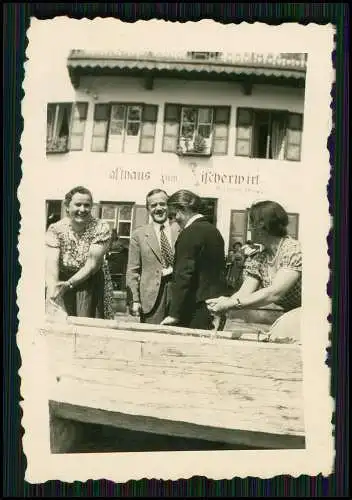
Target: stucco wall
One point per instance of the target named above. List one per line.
(105, 173)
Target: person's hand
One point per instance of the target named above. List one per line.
(218, 305)
(58, 290)
(136, 309)
(169, 320)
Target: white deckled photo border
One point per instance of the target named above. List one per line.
(317, 458)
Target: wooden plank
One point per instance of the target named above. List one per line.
(234, 410)
(147, 335)
(229, 385)
(62, 411)
(236, 331)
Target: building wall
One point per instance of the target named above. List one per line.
(105, 173)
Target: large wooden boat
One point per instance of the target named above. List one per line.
(226, 387)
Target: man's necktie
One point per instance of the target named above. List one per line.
(166, 250)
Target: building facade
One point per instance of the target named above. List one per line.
(228, 127)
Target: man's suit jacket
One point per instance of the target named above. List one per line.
(199, 267)
(144, 268)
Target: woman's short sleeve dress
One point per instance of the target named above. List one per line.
(92, 298)
(289, 256)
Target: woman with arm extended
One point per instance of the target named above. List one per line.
(273, 275)
(76, 272)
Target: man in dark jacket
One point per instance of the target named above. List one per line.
(199, 264)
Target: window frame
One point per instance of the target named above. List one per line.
(179, 122)
(71, 105)
(254, 112)
(126, 105)
(245, 213)
(117, 219)
(83, 135)
(297, 217)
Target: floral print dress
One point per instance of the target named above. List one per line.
(92, 298)
(288, 256)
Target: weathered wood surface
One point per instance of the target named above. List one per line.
(179, 384)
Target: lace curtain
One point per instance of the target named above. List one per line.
(278, 133)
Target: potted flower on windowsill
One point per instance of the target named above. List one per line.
(197, 147)
(57, 145)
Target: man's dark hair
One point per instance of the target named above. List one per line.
(75, 190)
(185, 200)
(152, 192)
(272, 215)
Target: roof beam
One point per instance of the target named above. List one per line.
(247, 87)
(149, 82)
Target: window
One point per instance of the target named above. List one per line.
(122, 218)
(209, 209)
(196, 130)
(269, 134)
(293, 225)
(65, 126)
(54, 211)
(119, 217)
(238, 227)
(124, 128)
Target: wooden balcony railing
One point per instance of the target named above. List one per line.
(277, 60)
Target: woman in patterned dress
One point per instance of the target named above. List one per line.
(77, 275)
(273, 275)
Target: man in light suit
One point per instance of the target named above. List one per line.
(150, 261)
(199, 264)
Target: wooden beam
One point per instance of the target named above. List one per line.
(236, 330)
(75, 78)
(64, 434)
(178, 381)
(144, 423)
(247, 88)
(149, 82)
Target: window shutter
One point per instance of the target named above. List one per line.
(244, 132)
(238, 226)
(50, 120)
(100, 127)
(294, 136)
(78, 125)
(292, 228)
(172, 118)
(149, 119)
(221, 130)
(140, 216)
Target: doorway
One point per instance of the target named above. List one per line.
(209, 209)
(53, 211)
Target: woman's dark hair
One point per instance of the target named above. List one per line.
(185, 200)
(271, 215)
(154, 191)
(236, 244)
(75, 190)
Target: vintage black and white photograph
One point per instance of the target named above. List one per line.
(175, 226)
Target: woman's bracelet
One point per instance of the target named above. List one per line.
(237, 303)
(70, 285)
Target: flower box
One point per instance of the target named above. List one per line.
(199, 146)
(57, 145)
